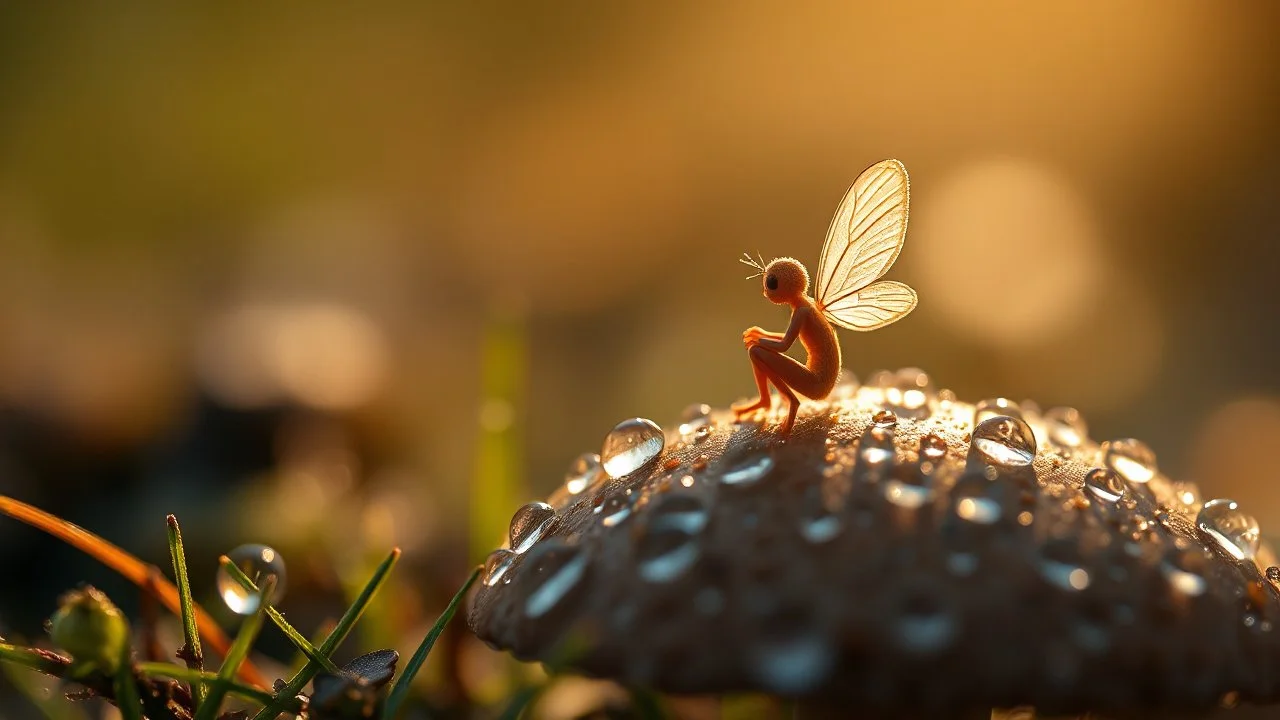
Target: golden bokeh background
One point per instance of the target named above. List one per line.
(253, 256)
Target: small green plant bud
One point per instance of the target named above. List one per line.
(93, 630)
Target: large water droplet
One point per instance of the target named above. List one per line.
(581, 473)
(552, 575)
(748, 471)
(630, 445)
(992, 407)
(613, 508)
(1234, 531)
(529, 524)
(497, 565)
(1104, 485)
(1131, 458)
(1005, 441)
(258, 562)
(669, 543)
(975, 498)
(1065, 426)
(884, 419)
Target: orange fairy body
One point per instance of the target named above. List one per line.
(863, 241)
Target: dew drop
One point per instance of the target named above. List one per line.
(1005, 441)
(529, 524)
(914, 487)
(669, 543)
(884, 419)
(748, 471)
(1131, 458)
(1184, 570)
(992, 407)
(1104, 485)
(497, 565)
(876, 447)
(791, 657)
(1065, 426)
(613, 508)
(1234, 531)
(1061, 566)
(908, 391)
(581, 473)
(932, 447)
(818, 523)
(630, 445)
(695, 423)
(924, 625)
(258, 562)
(553, 574)
(973, 498)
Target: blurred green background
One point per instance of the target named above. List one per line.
(337, 278)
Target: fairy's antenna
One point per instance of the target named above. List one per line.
(749, 261)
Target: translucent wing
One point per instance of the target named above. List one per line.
(866, 233)
(873, 306)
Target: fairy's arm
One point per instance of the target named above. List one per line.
(782, 343)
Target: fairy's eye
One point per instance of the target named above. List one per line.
(771, 282)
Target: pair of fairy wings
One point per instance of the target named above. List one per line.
(863, 241)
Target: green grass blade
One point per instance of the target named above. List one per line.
(126, 687)
(498, 483)
(236, 655)
(191, 652)
(287, 694)
(31, 658)
(298, 639)
(401, 686)
(204, 679)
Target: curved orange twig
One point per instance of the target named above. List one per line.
(144, 575)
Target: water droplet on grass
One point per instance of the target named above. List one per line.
(630, 445)
(258, 562)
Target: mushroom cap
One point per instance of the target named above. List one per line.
(895, 556)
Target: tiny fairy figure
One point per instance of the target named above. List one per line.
(862, 243)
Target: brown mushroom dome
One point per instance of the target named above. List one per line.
(902, 552)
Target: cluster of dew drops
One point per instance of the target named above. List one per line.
(1002, 436)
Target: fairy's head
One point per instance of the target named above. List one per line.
(785, 279)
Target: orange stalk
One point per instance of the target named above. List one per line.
(145, 576)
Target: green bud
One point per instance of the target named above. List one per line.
(93, 630)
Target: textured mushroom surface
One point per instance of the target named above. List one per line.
(903, 552)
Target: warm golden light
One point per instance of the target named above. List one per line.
(1006, 250)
